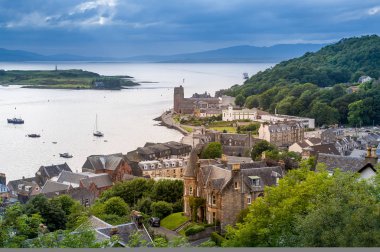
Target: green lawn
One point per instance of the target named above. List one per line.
(188, 129)
(228, 129)
(174, 220)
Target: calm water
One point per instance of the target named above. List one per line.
(125, 117)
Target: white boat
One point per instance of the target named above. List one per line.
(97, 132)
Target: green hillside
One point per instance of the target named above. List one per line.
(317, 84)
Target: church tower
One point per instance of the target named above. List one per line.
(179, 96)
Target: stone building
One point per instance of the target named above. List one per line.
(232, 144)
(114, 165)
(282, 134)
(184, 105)
(23, 189)
(165, 168)
(226, 188)
(48, 172)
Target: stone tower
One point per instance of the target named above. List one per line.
(190, 178)
(178, 98)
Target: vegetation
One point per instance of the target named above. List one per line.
(64, 79)
(312, 209)
(174, 220)
(194, 229)
(260, 147)
(315, 85)
(212, 150)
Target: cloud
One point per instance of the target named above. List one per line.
(374, 11)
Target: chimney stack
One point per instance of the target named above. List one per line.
(371, 156)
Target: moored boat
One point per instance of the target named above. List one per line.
(33, 135)
(65, 155)
(15, 121)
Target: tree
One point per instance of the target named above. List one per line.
(167, 190)
(312, 209)
(143, 205)
(357, 113)
(212, 150)
(130, 191)
(260, 147)
(240, 100)
(161, 209)
(324, 114)
(50, 211)
(117, 206)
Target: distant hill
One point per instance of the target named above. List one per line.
(243, 53)
(316, 84)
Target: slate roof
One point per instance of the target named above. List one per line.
(234, 159)
(103, 162)
(54, 170)
(326, 149)
(53, 186)
(236, 137)
(176, 145)
(100, 180)
(344, 163)
(13, 184)
(124, 231)
(265, 174)
(70, 177)
(190, 170)
(314, 140)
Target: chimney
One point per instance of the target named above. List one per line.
(114, 231)
(224, 160)
(371, 156)
(236, 167)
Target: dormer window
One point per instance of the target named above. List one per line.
(159, 165)
(167, 165)
(180, 163)
(145, 167)
(173, 164)
(255, 180)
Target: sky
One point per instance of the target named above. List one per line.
(121, 28)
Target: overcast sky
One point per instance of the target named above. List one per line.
(135, 27)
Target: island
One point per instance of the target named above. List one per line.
(64, 79)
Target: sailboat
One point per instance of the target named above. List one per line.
(97, 133)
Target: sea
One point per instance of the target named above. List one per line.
(66, 119)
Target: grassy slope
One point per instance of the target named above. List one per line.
(174, 220)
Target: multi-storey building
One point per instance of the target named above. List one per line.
(282, 134)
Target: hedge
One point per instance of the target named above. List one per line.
(194, 230)
(217, 238)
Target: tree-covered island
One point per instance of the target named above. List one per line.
(64, 79)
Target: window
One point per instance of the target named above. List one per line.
(191, 190)
(249, 199)
(213, 199)
(236, 186)
(213, 217)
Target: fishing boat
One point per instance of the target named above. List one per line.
(97, 132)
(33, 135)
(245, 76)
(15, 121)
(65, 155)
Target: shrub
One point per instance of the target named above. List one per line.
(161, 209)
(194, 230)
(217, 238)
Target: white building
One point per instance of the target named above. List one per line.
(231, 114)
(306, 122)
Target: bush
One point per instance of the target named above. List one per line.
(116, 206)
(212, 150)
(178, 206)
(161, 209)
(194, 230)
(217, 238)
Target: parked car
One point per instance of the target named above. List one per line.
(154, 221)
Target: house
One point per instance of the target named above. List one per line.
(4, 191)
(84, 187)
(104, 231)
(155, 151)
(232, 114)
(282, 134)
(226, 187)
(232, 144)
(319, 149)
(165, 168)
(352, 89)
(205, 113)
(364, 78)
(364, 166)
(23, 189)
(298, 147)
(331, 135)
(115, 165)
(48, 172)
(307, 123)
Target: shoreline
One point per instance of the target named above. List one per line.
(166, 120)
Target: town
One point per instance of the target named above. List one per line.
(227, 158)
